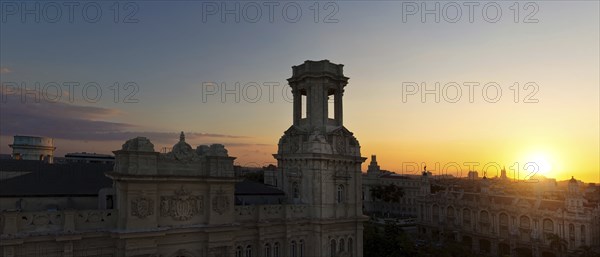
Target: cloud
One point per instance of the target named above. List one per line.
(4, 70)
(229, 144)
(75, 122)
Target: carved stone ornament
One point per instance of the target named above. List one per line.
(294, 145)
(93, 216)
(181, 206)
(139, 144)
(318, 137)
(340, 145)
(220, 202)
(142, 207)
(182, 151)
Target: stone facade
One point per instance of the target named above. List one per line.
(499, 224)
(320, 163)
(182, 203)
(414, 187)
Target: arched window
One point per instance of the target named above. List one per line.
(333, 247)
(350, 247)
(466, 214)
(239, 252)
(524, 221)
(503, 220)
(571, 232)
(249, 251)
(548, 226)
(484, 217)
(267, 250)
(340, 193)
(109, 202)
(582, 234)
(296, 190)
(342, 245)
(450, 212)
(293, 249)
(301, 248)
(276, 249)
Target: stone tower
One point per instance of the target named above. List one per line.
(373, 170)
(574, 199)
(319, 160)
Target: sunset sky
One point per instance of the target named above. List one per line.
(175, 49)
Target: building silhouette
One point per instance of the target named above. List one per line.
(502, 218)
(187, 202)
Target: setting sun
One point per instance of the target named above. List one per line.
(540, 162)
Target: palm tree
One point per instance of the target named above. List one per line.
(389, 193)
(557, 243)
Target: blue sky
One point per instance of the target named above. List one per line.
(170, 52)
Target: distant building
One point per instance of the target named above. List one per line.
(512, 222)
(412, 187)
(89, 158)
(503, 174)
(33, 148)
(473, 175)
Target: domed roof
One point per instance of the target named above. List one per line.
(182, 146)
(572, 180)
(182, 150)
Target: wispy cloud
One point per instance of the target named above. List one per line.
(75, 122)
(4, 70)
(230, 144)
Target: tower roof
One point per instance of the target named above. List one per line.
(318, 68)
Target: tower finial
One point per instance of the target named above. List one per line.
(182, 137)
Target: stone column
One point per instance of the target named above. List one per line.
(297, 106)
(338, 107)
(495, 222)
(358, 243)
